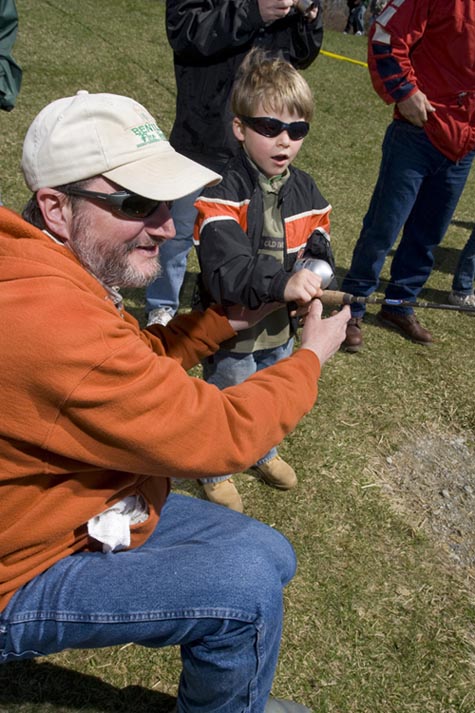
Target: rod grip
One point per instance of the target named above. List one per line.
(333, 298)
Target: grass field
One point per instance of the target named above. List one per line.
(380, 617)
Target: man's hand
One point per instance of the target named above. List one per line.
(416, 109)
(302, 287)
(241, 317)
(312, 14)
(324, 336)
(272, 10)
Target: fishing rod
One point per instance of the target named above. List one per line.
(336, 298)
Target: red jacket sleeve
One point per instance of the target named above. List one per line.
(392, 38)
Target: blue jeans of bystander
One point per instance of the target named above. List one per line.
(358, 21)
(418, 188)
(465, 271)
(209, 579)
(229, 368)
(165, 290)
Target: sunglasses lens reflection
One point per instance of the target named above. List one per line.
(138, 207)
(269, 127)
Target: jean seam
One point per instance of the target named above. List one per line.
(137, 617)
(260, 657)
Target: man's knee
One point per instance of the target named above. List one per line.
(267, 557)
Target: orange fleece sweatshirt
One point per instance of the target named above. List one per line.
(95, 409)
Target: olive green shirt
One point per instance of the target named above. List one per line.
(273, 330)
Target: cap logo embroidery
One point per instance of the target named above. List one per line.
(148, 134)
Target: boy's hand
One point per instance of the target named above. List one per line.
(302, 287)
(272, 10)
(324, 336)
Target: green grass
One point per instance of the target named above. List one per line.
(378, 620)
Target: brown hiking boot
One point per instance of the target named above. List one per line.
(354, 335)
(224, 492)
(276, 472)
(407, 325)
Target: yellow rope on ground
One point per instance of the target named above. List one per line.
(346, 59)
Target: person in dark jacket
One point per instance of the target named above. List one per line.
(209, 41)
(250, 231)
(10, 71)
(355, 21)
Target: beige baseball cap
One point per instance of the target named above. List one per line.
(88, 135)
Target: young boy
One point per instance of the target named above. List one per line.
(250, 230)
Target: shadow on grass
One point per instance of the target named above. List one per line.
(29, 682)
(468, 224)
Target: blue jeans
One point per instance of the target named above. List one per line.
(165, 290)
(418, 188)
(358, 21)
(355, 19)
(229, 368)
(465, 270)
(208, 579)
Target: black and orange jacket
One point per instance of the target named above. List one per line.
(429, 45)
(228, 230)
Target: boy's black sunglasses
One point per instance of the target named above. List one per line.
(125, 203)
(267, 126)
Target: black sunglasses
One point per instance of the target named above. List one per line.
(125, 203)
(267, 126)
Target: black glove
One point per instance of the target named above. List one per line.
(318, 246)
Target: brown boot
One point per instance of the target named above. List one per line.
(276, 472)
(224, 492)
(407, 325)
(354, 335)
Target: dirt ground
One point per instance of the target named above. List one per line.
(431, 480)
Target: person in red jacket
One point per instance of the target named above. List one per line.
(98, 415)
(421, 56)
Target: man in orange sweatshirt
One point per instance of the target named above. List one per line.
(99, 414)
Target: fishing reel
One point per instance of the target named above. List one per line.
(318, 267)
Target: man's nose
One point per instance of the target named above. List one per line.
(160, 223)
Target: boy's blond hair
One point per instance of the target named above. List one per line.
(272, 83)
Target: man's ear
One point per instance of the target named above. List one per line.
(56, 210)
(238, 129)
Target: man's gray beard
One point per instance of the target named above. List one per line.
(109, 265)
